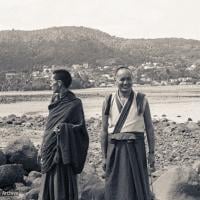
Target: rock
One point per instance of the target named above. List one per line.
(18, 122)
(192, 126)
(178, 183)
(164, 120)
(189, 119)
(32, 194)
(21, 188)
(92, 188)
(33, 175)
(1, 121)
(29, 124)
(155, 175)
(196, 166)
(33, 179)
(11, 118)
(155, 121)
(22, 151)
(36, 183)
(10, 174)
(27, 181)
(2, 158)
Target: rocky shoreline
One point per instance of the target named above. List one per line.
(7, 99)
(177, 144)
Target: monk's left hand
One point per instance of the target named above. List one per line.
(57, 128)
(151, 161)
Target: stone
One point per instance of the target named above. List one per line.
(36, 183)
(192, 126)
(27, 181)
(10, 174)
(2, 158)
(33, 175)
(92, 188)
(32, 194)
(18, 122)
(196, 166)
(21, 188)
(22, 151)
(178, 183)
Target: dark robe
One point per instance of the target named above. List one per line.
(63, 153)
(126, 164)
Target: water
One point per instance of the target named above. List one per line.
(177, 103)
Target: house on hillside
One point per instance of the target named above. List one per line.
(77, 66)
(190, 68)
(14, 75)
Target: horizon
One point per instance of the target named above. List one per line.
(95, 29)
(131, 19)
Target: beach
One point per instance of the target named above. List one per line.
(178, 103)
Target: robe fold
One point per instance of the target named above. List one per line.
(63, 153)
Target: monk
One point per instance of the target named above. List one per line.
(65, 142)
(125, 117)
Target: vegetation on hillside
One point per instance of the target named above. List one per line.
(21, 50)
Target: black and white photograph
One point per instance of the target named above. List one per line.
(99, 100)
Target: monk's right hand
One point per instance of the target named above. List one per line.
(151, 161)
(57, 129)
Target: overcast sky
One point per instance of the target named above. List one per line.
(122, 18)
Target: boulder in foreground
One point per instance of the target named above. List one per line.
(22, 151)
(178, 183)
(10, 174)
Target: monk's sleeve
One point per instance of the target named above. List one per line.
(74, 140)
(149, 128)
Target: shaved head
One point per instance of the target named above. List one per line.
(121, 70)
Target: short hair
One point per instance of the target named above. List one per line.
(120, 68)
(64, 76)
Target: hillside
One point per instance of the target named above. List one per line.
(20, 50)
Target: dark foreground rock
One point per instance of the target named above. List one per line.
(93, 188)
(10, 174)
(2, 158)
(32, 194)
(22, 151)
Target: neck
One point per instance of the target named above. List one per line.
(62, 92)
(124, 94)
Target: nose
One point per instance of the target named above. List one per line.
(126, 82)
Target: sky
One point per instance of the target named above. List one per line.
(121, 18)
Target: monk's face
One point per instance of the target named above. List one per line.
(55, 85)
(124, 80)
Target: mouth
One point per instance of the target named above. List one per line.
(126, 87)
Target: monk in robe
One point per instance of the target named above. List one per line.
(125, 117)
(65, 142)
